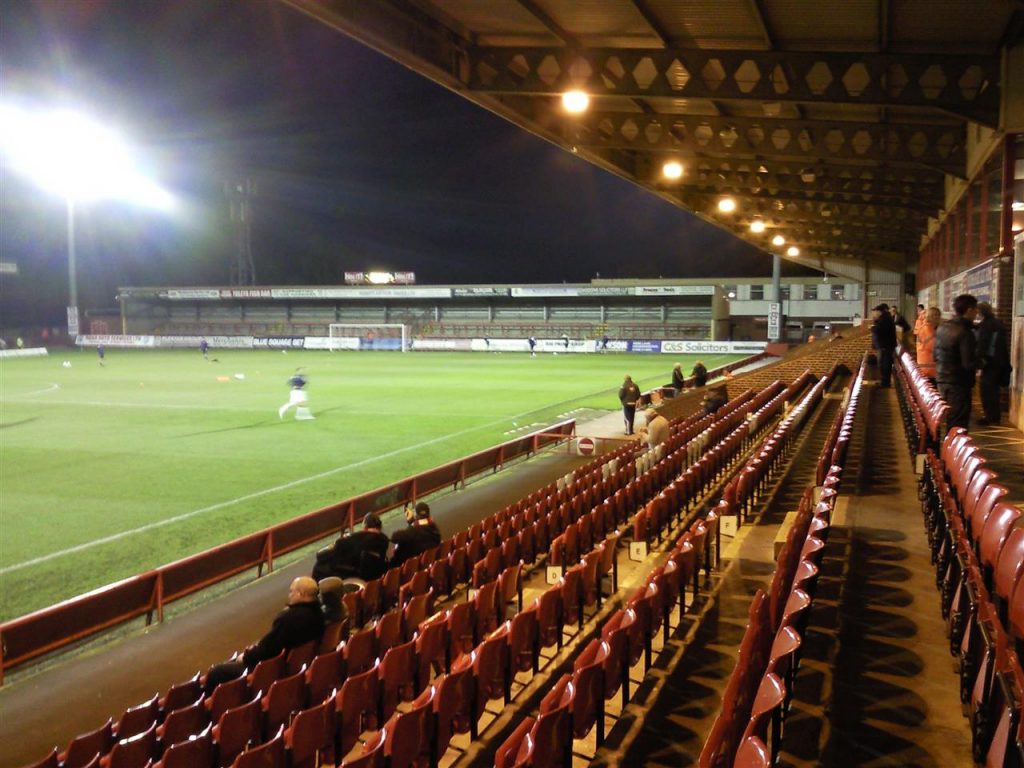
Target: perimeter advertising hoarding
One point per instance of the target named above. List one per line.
(215, 342)
(479, 291)
(112, 340)
(674, 290)
(285, 294)
(556, 291)
(711, 347)
(646, 345)
(278, 342)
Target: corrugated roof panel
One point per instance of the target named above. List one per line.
(491, 18)
(956, 26)
(823, 26)
(709, 23)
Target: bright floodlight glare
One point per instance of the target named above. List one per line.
(77, 158)
(792, 251)
(379, 278)
(727, 205)
(757, 226)
(778, 240)
(575, 102)
(672, 170)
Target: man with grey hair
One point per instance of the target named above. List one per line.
(657, 429)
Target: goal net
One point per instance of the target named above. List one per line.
(383, 337)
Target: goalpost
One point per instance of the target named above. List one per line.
(384, 337)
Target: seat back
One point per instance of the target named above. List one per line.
(136, 751)
(184, 722)
(462, 629)
(181, 694)
(491, 669)
(398, 674)
(309, 740)
(325, 674)
(84, 747)
(372, 755)
(300, 656)
(270, 754)
(453, 702)
(523, 641)
(196, 751)
(266, 672)
(994, 534)
(137, 719)
(432, 647)
(410, 734)
(237, 728)
(361, 650)
(285, 697)
(357, 706)
(389, 630)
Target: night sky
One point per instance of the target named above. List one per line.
(359, 163)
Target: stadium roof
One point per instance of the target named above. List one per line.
(837, 122)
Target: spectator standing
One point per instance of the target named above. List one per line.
(955, 360)
(532, 341)
(677, 378)
(883, 341)
(101, 352)
(700, 374)
(629, 395)
(902, 326)
(204, 347)
(919, 320)
(421, 535)
(565, 341)
(994, 361)
(657, 429)
(363, 554)
(926, 342)
(604, 343)
(301, 621)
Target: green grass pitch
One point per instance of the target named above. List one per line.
(108, 471)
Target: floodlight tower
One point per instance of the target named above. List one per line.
(78, 159)
(239, 194)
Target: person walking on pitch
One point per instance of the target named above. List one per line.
(298, 398)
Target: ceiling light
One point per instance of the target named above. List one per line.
(792, 251)
(726, 205)
(575, 102)
(757, 226)
(778, 240)
(673, 169)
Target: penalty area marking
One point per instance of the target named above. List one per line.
(247, 497)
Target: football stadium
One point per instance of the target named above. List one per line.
(519, 384)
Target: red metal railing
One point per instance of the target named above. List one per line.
(50, 629)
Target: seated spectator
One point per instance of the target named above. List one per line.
(714, 400)
(421, 535)
(301, 620)
(363, 554)
(657, 429)
(331, 591)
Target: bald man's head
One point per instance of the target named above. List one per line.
(302, 590)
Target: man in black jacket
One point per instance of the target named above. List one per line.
(363, 554)
(301, 620)
(955, 360)
(421, 535)
(883, 341)
(994, 362)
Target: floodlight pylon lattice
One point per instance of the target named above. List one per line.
(239, 193)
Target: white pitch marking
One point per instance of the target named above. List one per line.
(247, 497)
(52, 388)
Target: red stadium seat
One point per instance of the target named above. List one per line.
(410, 734)
(398, 677)
(195, 752)
(325, 675)
(136, 751)
(309, 740)
(372, 755)
(236, 729)
(137, 719)
(270, 754)
(85, 747)
(357, 707)
(453, 703)
(285, 697)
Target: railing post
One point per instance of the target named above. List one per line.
(160, 596)
(269, 551)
